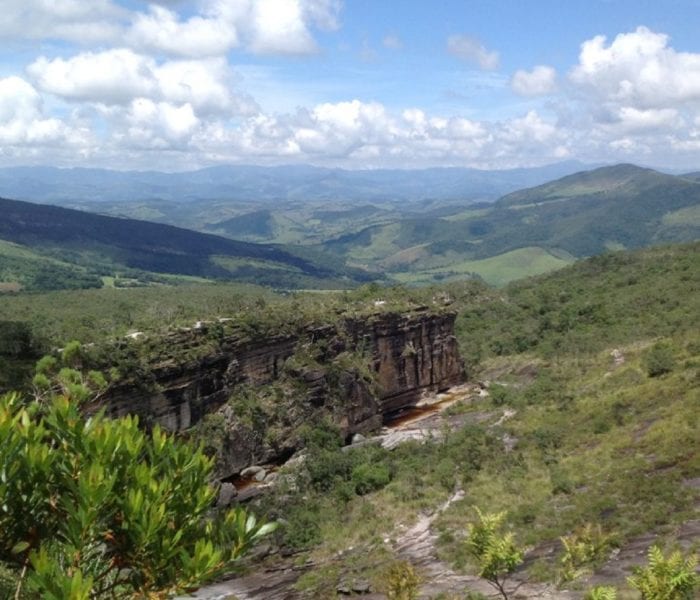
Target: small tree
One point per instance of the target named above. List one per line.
(667, 578)
(493, 550)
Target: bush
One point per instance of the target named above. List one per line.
(96, 507)
(667, 578)
(659, 360)
(586, 547)
(401, 581)
(601, 592)
(494, 551)
(370, 477)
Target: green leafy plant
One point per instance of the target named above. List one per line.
(601, 592)
(670, 577)
(98, 508)
(586, 547)
(494, 551)
(400, 581)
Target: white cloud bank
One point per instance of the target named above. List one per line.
(149, 102)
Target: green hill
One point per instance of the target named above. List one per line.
(81, 249)
(580, 215)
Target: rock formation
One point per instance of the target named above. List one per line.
(394, 359)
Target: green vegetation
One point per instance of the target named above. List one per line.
(584, 550)
(98, 508)
(586, 440)
(493, 550)
(86, 246)
(670, 577)
(496, 270)
(401, 581)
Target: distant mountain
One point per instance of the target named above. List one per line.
(244, 183)
(45, 238)
(539, 228)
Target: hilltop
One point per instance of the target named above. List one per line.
(49, 247)
(533, 230)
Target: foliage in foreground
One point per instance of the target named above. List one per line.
(494, 551)
(98, 508)
(670, 577)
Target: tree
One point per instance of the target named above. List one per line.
(493, 550)
(667, 578)
(92, 507)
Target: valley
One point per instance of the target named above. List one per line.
(580, 408)
(343, 299)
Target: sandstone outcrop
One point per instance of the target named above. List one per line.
(394, 360)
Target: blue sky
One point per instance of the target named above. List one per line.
(354, 83)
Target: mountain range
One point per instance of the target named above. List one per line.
(315, 243)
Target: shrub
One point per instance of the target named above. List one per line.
(96, 507)
(370, 477)
(601, 592)
(667, 578)
(401, 581)
(494, 551)
(659, 360)
(586, 547)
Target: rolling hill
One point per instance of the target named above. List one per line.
(584, 214)
(77, 249)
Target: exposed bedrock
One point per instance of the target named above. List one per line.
(360, 372)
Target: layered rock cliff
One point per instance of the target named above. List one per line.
(258, 391)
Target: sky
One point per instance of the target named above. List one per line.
(491, 84)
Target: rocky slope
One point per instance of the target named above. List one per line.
(250, 395)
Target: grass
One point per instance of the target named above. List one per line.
(497, 270)
(683, 217)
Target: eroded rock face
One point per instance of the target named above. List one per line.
(404, 357)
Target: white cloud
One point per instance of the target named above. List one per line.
(116, 77)
(472, 50)
(23, 126)
(161, 30)
(112, 77)
(542, 80)
(75, 20)
(260, 26)
(159, 125)
(392, 42)
(638, 69)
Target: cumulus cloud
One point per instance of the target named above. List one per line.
(116, 77)
(112, 77)
(472, 50)
(638, 69)
(259, 26)
(160, 29)
(23, 126)
(74, 20)
(542, 80)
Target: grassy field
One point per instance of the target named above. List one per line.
(497, 270)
